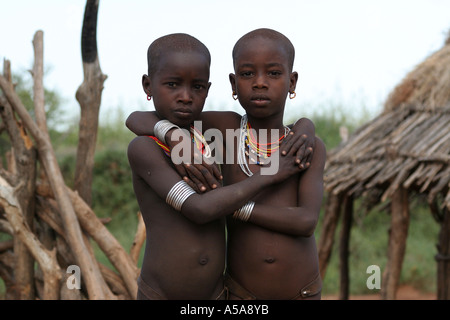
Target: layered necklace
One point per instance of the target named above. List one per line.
(258, 153)
(197, 138)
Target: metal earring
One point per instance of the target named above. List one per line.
(149, 97)
(292, 95)
(234, 95)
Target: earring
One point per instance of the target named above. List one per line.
(292, 95)
(149, 97)
(234, 95)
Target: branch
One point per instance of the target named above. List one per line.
(139, 239)
(38, 80)
(46, 259)
(48, 159)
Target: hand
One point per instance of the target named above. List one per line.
(301, 145)
(205, 177)
(190, 163)
(282, 166)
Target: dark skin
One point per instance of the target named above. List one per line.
(185, 252)
(275, 254)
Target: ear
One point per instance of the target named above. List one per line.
(232, 78)
(293, 81)
(146, 84)
(207, 88)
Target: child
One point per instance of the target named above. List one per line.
(185, 247)
(273, 255)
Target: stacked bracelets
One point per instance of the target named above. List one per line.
(244, 212)
(178, 194)
(161, 128)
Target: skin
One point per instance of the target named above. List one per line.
(185, 252)
(275, 254)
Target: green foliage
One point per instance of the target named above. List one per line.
(112, 190)
(53, 100)
(369, 244)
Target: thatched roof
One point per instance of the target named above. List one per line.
(407, 145)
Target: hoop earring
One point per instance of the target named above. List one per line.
(292, 95)
(234, 95)
(149, 97)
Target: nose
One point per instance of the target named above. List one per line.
(260, 81)
(185, 96)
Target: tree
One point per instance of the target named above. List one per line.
(48, 221)
(89, 97)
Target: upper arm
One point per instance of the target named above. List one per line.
(148, 163)
(310, 190)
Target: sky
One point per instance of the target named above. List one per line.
(348, 52)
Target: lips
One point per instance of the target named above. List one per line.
(183, 112)
(260, 99)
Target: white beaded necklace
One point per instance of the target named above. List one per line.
(242, 156)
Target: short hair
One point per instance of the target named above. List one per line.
(177, 42)
(267, 34)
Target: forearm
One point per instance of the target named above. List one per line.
(296, 221)
(142, 122)
(203, 208)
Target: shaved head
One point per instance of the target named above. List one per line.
(270, 34)
(177, 42)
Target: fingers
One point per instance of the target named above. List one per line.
(287, 143)
(303, 157)
(216, 172)
(192, 184)
(292, 143)
(302, 147)
(196, 177)
(203, 176)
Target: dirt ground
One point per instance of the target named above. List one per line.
(404, 292)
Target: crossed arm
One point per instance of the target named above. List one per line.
(298, 221)
(205, 177)
(148, 163)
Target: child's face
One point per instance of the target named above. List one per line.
(179, 86)
(262, 77)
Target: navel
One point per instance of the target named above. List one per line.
(203, 260)
(269, 260)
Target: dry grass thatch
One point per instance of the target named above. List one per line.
(407, 145)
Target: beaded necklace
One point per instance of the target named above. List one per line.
(197, 139)
(249, 147)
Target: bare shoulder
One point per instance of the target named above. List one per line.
(220, 119)
(143, 148)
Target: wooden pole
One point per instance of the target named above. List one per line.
(330, 220)
(89, 97)
(397, 243)
(23, 178)
(344, 248)
(46, 259)
(47, 155)
(443, 258)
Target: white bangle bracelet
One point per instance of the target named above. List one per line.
(161, 128)
(178, 194)
(244, 212)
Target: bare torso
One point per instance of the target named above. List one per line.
(269, 264)
(182, 260)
